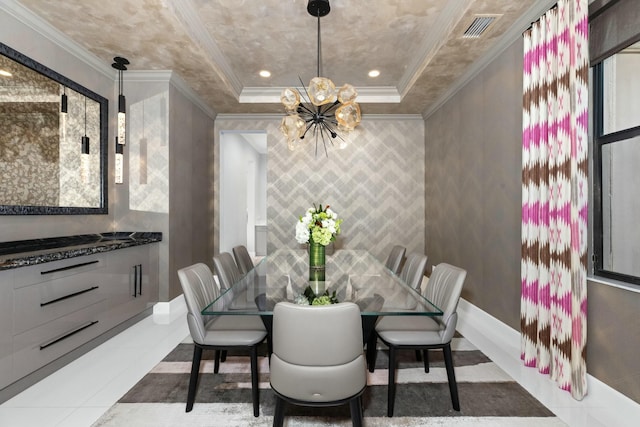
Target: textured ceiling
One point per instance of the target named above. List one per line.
(219, 46)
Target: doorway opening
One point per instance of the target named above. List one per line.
(243, 191)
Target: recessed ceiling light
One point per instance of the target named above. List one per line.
(265, 73)
(374, 73)
(5, 73)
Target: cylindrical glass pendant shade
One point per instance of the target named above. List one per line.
(119, 169)
(122, 120)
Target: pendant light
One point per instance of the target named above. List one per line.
(85, 139)
(327, 112)
(120, 64)
(63, 100)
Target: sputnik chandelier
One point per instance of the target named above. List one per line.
(325, 111)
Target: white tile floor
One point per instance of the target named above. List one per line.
(78, 394)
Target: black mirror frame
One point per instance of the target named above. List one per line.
(104, 154)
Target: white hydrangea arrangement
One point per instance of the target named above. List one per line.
(318, 223)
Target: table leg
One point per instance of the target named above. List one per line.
(268, 324)
(369, 337)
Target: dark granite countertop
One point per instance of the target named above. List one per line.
(23, 253)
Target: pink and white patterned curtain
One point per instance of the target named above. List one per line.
(553, 313)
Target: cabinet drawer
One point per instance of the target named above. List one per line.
(58, 269)
(47, 301)
(39, 346)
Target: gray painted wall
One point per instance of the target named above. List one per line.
(473, 210)
(191, 136)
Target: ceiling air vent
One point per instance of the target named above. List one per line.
(479, 26)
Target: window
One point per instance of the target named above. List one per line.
(617, 166)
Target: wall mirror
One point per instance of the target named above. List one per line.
(53, 141)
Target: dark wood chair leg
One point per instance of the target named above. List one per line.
(418, 356)
(451, 376)
(425, 357)
(223, 356)
(216, 362)
(355, 405)
(391, 394)
(278, 413)
(193, 379)
(254, 381)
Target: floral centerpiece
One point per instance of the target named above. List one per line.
(318, 227)
(309, 297)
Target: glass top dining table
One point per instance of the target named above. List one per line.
(350, 275)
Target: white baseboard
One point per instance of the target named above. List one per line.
(164, 312)
(501, 343)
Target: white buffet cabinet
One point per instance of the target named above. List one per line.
(47, 310)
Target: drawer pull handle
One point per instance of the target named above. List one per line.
(68, 334)
(75, 294)
(82, 264)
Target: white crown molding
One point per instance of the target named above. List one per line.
(278, 117)
(271, 95)
(161, 76)
(169, 77)
(39, 25)
(394, 117)
(533, 13)
(445, 23)
(187, 15)
(378, 95)
(250, 117)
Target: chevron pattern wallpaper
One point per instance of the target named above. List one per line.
(376, 184)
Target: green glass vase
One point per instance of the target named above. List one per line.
(316, 261)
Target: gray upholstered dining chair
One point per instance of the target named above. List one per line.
(395, 258)
(243, 259)
(317, 357)
(424, 333)
(226, 270)
(412, 274)
(217, 332)
(413, 269)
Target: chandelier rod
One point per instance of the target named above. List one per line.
(319, 46)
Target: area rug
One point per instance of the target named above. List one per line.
(488, 396)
